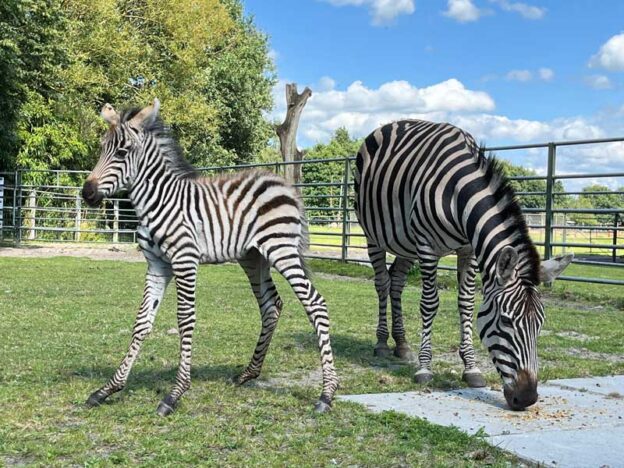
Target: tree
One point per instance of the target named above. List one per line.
(287, 131)
(206, 62)
(597, 196)
(533, 201)
(341, 145)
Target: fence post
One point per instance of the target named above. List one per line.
(17, 210)
(616, 215)
(78, 217)
(31, 221)
(115, 221)
(552, 154)
(345, 211)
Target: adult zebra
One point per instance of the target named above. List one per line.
(423, 191)
(184, 220)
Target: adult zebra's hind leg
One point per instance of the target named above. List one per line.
(158, 276)
(287, 260)
(258, 271)
(377, 257)
(466, 273)
(429, 303)
(398, 278)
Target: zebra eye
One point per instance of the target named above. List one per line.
(121, 152)
(506, 320)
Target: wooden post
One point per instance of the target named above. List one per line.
(287, 131)
(78, 217)
(31, 221)
(115, 221)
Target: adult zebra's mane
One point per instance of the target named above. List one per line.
(504, 192)
(170, 148)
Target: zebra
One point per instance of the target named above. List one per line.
(253, 217)
(425, 190)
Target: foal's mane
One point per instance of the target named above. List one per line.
(170, 149)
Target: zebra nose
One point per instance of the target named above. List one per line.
(90, 193)
(523, 392)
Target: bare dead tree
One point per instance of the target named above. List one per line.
(287, 131)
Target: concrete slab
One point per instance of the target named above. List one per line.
(613, 385)
(567, 427)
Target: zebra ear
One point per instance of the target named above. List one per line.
(506, 264)
(109, 114)
(551, 269)
(146, 116)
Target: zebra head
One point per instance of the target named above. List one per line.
(510, 320)
(122, 148)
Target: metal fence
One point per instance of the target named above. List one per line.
(47, 206)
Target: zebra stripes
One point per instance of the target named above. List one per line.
(424, 191)
(184, 220)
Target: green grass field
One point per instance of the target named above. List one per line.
(66, 324)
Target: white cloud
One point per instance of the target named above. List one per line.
(519, 75)
(611, 54)
(463, 11)
(273, 54)
(326, 83)
(598, 82)
(546, 74)
(382, 11)
(526, 11)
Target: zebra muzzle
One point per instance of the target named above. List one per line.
(90, 193)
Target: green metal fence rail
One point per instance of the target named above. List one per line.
(46, 206)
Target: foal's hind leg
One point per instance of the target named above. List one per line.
(287, 260)
(258, 271)
(466, 273)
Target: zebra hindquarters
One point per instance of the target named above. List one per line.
(287, 259)
(258, 271)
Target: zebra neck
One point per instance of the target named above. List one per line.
(153, 185)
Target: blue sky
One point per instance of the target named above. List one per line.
(508, 71)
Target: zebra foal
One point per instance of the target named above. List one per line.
(423, 191)
(255, 218)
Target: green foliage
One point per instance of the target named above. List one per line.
(532, 201)
(341, 145)
(606, 200)
(61, 60)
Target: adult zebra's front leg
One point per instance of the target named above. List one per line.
(429, 303)
(466, 273)
(158, 276)
(259, 273)
(377, 257)
(185, 272)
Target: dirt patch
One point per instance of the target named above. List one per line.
(119, 252)
(587, 354)
(569, 334)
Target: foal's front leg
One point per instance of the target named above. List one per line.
(186, 279)
(156, 280)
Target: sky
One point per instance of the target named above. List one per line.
(509, 72)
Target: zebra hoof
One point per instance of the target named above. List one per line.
(423, 376)
(96, 399)
(474, 379)
(403, 351)
(164, 409)
(382, 351)
(241, 379)
(322, 407)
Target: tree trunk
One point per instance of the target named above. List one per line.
(287, 131)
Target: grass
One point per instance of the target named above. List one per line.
(67, 322)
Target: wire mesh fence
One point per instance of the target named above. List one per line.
(46, 206)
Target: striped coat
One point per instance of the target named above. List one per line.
(254, 218)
